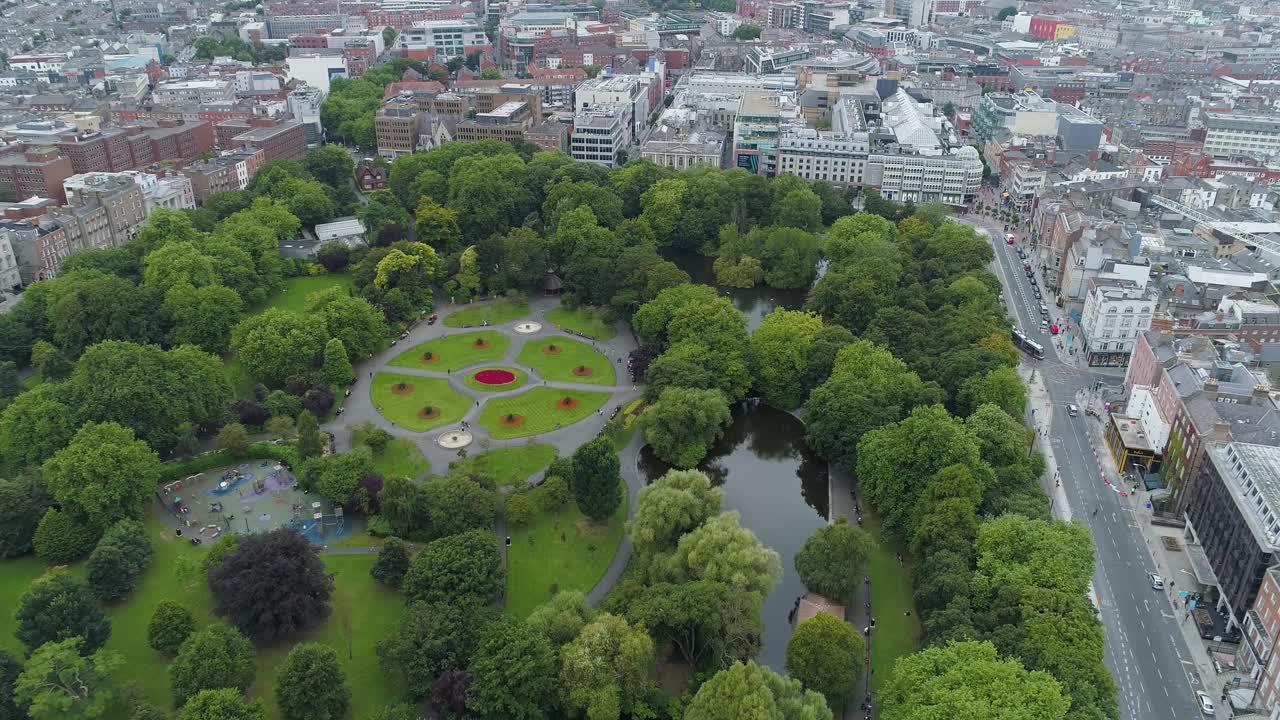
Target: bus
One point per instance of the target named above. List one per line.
(1027, 345)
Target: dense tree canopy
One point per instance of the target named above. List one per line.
(671, 506)
(57, 607)
(272, 585)
(746, 691)
(456, 568)
(214, 658)
(968, 680)
(833, 558)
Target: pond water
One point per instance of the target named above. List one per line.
(779, 487)
(754, 302)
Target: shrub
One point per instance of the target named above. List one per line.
(60, 539)
(553, 494)
(250, 412)
(521, 508)
(318, 400)
(392, 563)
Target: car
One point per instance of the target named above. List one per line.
(1033, 280)
(1044, 310)
(1036, 293)
(1206, 702)
(1157, 583)
(1053, 329)
(1072, 410)
(1011, 239)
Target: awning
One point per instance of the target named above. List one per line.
(1200, 565)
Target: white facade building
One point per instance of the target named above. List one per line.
(631, 91)
(599, 133)
(10, 277)
(1234, 134)
(188, 92)
(448, 38)
(1115, 314)
(316, 68)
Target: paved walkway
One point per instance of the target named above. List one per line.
(845, 500)
(359, 408)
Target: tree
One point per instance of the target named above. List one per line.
(355, 322)
(1006, 12)
(10, 669)
(337, 477)
(310, 443)
(23, 501)
(746, 31)
(800, 208)
(721, 550)
(596, 481)
(437, 226)
(826, 654)
(605, 671)
(429, 639)
(277, 343)
(456, 504)
(272, 585)
(177, 263)
(466, 282)
(832, 560)
(780, 354)
(110, 573)
(790, 256)
(671, 506)
(561, 618)
(57, 607)
(968, 679)
(684, 423)
(512, 673)
(708, 623)
(214, 658)
(202, 316)
(60, 682)
(895, 461)
(746, 691)
(1001, 387)
(233, 439)
(330, 164)
(171, 624)
(35, 425)
(60, 538)
(282, 428)
(311, 684)
(456, 568)
(337, 368)
(104, 474)
(223, 704)
(392, 562)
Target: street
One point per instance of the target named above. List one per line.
(1151, 663)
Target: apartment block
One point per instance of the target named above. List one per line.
(285, 141)
(396, 128)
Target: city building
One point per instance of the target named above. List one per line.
(629, 93)
(600, 133)
(34, 172)
(316, 67)
(1232, 135)
(136, 146)
(346, 230)
(1115, 314)
(304, 106)
(105, 212)
(218, 175)
(396, 128)
(370, 176)
(683, 145)
(182, 92)
(508, 122)
(38, 250)
(1234, 515)
(442, 39)
(1257, 654)
(284, 141)
(10, 275)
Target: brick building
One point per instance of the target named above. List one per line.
(285, 141)
(135, 146)
(35, 171)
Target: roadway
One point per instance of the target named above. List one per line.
(1144, 649)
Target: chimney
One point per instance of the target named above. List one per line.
(1211, 389)
(1221, 432)
(1261, 394)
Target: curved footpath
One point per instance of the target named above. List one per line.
(359, 408)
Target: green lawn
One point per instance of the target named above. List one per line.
(560, 551)
(896, 634)
(455, 351)
(521, 378)
(509, 466)
(497, 313)
(360, 604)
(560, 366)
(401, 458)
(541, 410)
(296, 290)
(402, 409)
(583, 320)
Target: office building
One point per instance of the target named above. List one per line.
(600, 133)
(10, 276)
(1240, 135)
(229, 171)
(304, 106)
(396, 128)
(285, 141)
(34, 172)
(316, 67)
(136, 146)
(442, 39)
(1115, 314)
(508, 122)
(183, 92)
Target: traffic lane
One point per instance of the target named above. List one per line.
(1018, 294)
(1143, 645)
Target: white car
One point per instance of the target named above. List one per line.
(1206, 702)
(1157, 582)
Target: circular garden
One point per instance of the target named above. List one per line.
(495, 379)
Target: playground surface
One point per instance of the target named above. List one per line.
(250, 497)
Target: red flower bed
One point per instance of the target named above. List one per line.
(495, 377)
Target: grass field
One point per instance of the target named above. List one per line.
(541, 410)
(585, 321)
(521, 378)
(496, 313)
(400, 458)
(455, 351)
(559, 551)
(560, 366)
(896, 634)
(403, 409)
(509, 466)
(296, 290)
(359, 603)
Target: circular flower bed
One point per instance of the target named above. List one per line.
(567, 403)
(429, 413)
(583, 371)
(511, 420)
(495, 377)
(402, 388)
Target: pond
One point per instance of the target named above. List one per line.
(779, 487)
(754, 302)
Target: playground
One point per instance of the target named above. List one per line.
(250, 497)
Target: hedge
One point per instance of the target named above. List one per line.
(286, 454)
